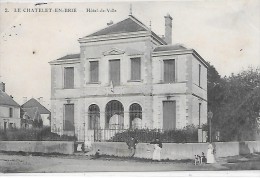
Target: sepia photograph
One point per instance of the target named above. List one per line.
(130, 86)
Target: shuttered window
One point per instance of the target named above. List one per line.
(114, 71)
(169, 115)
(199, 73)
(69, 117)
(136, 68)
(94, 71)
(69, 77)
(199, 114)
(169, 71)
(10, 112)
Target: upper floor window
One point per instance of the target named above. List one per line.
(136, 68)
(199, 74)
(69, 77)
(169, 71)
(114, 71)
(94, 69)
(10, 112)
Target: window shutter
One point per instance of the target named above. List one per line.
(114, 70)
(94, 69)
(69, 117)
(69, 77)
(169, 71)
(135, 69)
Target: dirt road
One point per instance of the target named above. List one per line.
(80, 163)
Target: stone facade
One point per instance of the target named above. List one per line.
(9, 110)
(188, 91)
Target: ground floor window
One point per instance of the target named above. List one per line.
(69, 117)
(169, 115)
(94, 117)
(135, 114)
(114, 115)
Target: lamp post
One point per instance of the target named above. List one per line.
(210, 116)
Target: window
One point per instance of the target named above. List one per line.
(199, 73)
(199, 113)
(169, 115)
(10, 112)
(69, 77)
(114, 115)
(136, 68)
(11, 126)
(69, 117)
(135, 113)
(169, 71)
(94, 115)
(93, 71)
(114, 72)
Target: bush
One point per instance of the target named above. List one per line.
(186, 135)
(34, 134)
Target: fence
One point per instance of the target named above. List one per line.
(146, 135)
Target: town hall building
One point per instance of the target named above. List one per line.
(127, 77)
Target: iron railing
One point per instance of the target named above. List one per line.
(146, 135)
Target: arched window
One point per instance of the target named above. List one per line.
(93, 117)
(114, 115)
(135, 115)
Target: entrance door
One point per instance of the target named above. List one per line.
(169, 115)
(69, 117)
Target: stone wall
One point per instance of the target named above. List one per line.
(178, 151)
(63, 147)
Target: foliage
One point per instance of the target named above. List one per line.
(187, 134)
(34, 134)
(235, 103)
(37, 123)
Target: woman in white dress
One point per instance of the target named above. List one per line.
(210, 154)
(157, 149)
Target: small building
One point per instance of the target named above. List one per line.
(9, 110)
(35, 114)
(127, 77)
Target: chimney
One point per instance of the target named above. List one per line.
(110, 23)
(2, 86)
(40, 99)
(24, 99)
(168, 29)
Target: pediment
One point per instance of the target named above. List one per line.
(113, 51)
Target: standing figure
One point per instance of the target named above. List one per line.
(132, 146)
(203, 158)
(210, 154)
(157, 149)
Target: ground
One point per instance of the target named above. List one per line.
(26, 163)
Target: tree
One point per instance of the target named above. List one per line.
(235, 102)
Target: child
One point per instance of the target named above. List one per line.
(97, 154)
(203, 158)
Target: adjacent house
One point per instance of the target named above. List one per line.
(127, 77)
(9, 110)
(34, 114)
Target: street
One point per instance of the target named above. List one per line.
(80, 163)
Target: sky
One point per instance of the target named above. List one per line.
(225, 33)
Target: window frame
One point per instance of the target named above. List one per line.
(175, 73)
(109, 70)
(64, 78)
(140, 69)
(11, 112)
(90, 73)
